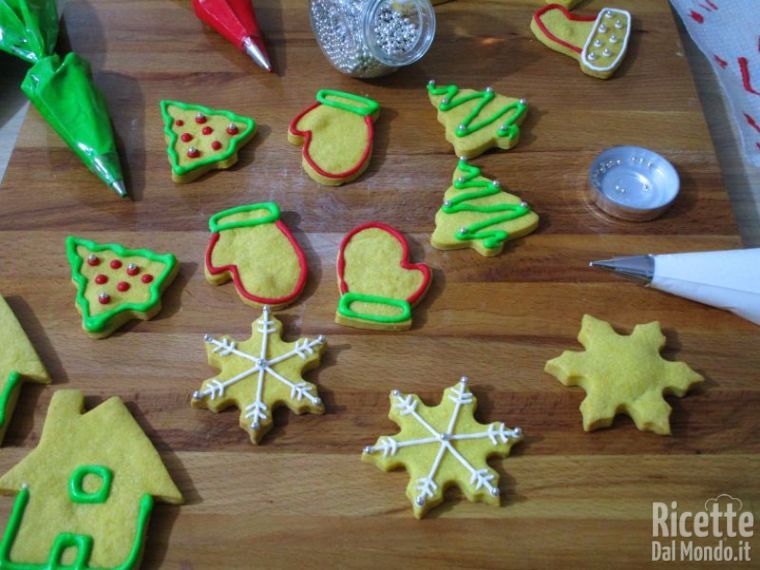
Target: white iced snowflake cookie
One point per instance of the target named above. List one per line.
(260, 374)
(442, 446)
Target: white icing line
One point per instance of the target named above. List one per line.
(584, 54)
(258, 409)
(313, 399)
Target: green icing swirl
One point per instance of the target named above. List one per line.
(495, 213)
(452, 99)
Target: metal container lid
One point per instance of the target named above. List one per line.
(633, 183)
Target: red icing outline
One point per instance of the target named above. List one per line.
(746, 82)
(421, 267)
(569, 15)
(240, 288)
(306, 135)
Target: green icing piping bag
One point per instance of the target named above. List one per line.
(61, 89)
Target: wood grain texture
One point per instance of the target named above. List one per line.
(303, 498)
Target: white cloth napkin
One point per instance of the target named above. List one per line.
(728, 33)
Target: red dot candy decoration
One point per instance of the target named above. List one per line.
(207, 130)
(216, 145)
(101, 279)
(104, 298)
(232, 129)
(133, 269)
(115, 264)
(179, 122)
(200, 118)
(122, 286)
(93, 260)
(147, 278)
(186, 137)
(193, 152)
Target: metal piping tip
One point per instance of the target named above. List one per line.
(119, 188)
(256, 54)
(635, 267)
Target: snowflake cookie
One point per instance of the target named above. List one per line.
(477, 120)
(623, 374)
(443, 446)
(260, 374)
(598, 42)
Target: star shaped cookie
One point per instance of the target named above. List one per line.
(623, 374)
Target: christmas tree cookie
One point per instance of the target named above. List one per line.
(252, 246)
(200, 139)
(378, 284)
(18, 363)
(84, 495)
(442, 446)
(260, 374)
(477, 213)
(598, 42)
(115, 284)
(337, 134)
(623, 374)
(477, 120)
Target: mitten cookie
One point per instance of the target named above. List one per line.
(599, 42)
(18, 363)
(115, 284)
(477, 213)
(477, 120)
(202, 139)
(252, 246)
(442, 446)
(623, 374)
(337, 134)
(378, 284)
(261, 373)
(84, 495)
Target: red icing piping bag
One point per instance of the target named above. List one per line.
(236, 21)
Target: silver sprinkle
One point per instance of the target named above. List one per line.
(618, 24)
(420, 501)
(602, 29)
(495, 492)
(606, 52)
(463, 380)
(368, 449)
(523, 101)
(597, 43)
(395, 393)
(613, 39)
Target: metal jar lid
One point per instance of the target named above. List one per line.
(633, 183)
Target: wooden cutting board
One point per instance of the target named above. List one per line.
(303, 498)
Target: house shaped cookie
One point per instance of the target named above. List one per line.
(85, 494)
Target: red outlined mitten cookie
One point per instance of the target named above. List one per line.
(337, 134)
(252, 246)
(598, 42)
(378, 284)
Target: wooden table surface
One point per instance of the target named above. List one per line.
(303, 498)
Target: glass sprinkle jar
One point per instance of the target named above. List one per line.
(370, 38)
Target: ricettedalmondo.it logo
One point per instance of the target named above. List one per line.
(721, 532)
